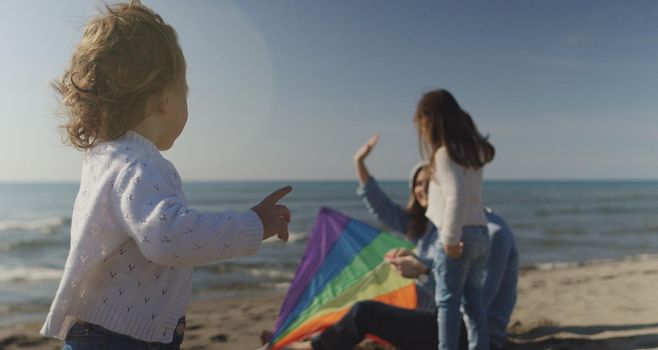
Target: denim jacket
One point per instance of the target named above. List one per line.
(396, 218)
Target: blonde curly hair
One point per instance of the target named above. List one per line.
(127, 54)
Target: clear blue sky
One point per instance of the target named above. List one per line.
(290, 89)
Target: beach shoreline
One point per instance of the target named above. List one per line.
(585, 305)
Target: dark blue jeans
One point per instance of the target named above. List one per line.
(87, 336)
(501, 275)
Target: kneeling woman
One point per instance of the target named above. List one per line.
(417, 328)
(404, 328)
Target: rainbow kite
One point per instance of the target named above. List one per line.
(342, 264)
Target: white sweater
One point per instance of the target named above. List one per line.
(134, 241)
(454, 199)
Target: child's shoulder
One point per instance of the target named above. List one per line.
(128, 145)
(124, 152)
(133, 156)
(441, 154)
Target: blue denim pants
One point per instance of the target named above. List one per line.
(499, 289)
(459, 283)
(87, 336)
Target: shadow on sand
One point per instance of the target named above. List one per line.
(542, 338)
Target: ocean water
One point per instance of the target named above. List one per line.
(553, 222)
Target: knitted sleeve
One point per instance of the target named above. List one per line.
(451, 177)
(149, 202)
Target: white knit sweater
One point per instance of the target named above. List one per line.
(454, 199)
(134, 241)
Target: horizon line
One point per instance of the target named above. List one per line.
(611, 179)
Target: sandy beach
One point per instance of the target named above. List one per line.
(598, 305)
(607, 305)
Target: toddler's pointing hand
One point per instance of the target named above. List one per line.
(275, 217)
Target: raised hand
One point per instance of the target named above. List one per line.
(364, 150)
(275, 217)
(362, 172)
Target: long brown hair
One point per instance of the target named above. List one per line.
(126, 55)
(417, 219)
(441, 122)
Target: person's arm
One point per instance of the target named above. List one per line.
(377, 202)
(152, 210)
(427, 262)
(423, 249)
(451, 178)
(382, 207)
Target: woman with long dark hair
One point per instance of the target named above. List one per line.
(410, 221)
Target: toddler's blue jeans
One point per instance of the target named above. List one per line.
(87, 336)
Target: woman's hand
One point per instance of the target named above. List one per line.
(397, 253)
(408, 266)
(360, 157)
(364, 150)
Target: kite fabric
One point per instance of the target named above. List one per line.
(343, 263)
